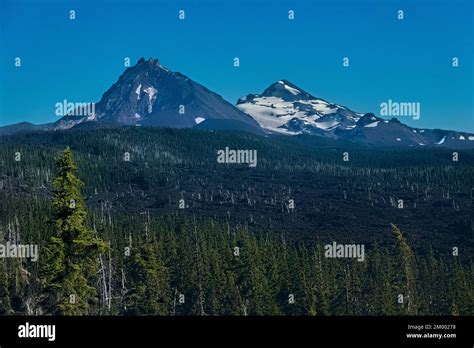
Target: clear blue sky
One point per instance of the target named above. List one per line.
(407, 60)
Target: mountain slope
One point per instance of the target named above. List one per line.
(20, 127)
(148, 94)
(285, 108)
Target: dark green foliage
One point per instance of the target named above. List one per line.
(148, 284)
(183, 262)
(5, 305)
(332, 197)
(71, 256)
(257, 283)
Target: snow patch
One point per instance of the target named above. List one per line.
(138, 91)
(372, 125)
(151, 91)
(441, 141)
(328, 125)
(274, 113)
(292, 90)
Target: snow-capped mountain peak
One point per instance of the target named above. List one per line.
(286, 91)
(285, 108)
(149, 94)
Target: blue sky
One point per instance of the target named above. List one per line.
(406, 61)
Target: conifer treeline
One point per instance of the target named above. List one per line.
(183, 266)
(180, 264)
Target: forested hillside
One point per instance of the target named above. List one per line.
(186, 235)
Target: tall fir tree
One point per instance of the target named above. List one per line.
(408, 258)
(149, 290)
(5, 305)
(72, 253)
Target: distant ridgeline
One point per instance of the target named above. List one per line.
(150, 95)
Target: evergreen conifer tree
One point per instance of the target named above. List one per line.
(71, 255)
(149, 290)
